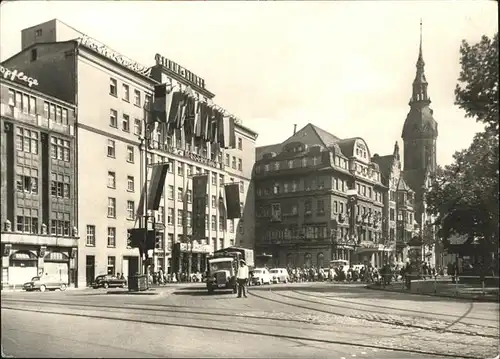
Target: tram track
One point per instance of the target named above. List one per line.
(410, 311)
(446, 329)
(169, 323)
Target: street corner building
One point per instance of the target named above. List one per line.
(319, 197)
(130, 118)
(39, 221)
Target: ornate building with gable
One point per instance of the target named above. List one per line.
(305, 212)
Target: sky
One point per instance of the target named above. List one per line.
(345, 66)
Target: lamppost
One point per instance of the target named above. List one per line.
(351, 203)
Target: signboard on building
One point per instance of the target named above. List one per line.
(113, 55)
(197, 247)
(14, 75)
(174, 67)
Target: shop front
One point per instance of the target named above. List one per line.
(376, 254)
(190, 258)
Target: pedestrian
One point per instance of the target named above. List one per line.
(242, 278)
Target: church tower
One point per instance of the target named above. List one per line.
(420, 129)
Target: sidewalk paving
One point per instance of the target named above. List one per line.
(442, 289)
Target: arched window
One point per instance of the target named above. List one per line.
(307, 260)
(321, 260)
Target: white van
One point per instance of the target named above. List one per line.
(279, 275)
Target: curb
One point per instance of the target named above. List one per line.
(472, 299)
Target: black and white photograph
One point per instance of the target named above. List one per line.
(249, 179)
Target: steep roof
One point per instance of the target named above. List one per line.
(347, 146)
(327, 138)
(384, 164)
(402, 186)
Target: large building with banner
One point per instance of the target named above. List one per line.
(115, 100)
(38, 172)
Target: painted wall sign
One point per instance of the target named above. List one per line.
(174, 67)
(18, 75)
(113, 55)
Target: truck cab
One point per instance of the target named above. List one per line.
(222, 273)
(223, 268)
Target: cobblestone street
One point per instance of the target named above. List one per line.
(295, 320)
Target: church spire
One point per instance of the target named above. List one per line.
(419, 93)
(420, 61)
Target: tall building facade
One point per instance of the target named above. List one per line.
(39, 215)
(319, 198)
(420, 132)
(398, 215)
(113, 94)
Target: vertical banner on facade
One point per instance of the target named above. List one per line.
(161, 103)
(232, 192)
(156, 185)
(222, 210)
(199, 206)
(229, 137)
(140, 206)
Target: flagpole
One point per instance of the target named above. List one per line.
(145, 210)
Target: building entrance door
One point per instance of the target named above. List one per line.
(90, 269)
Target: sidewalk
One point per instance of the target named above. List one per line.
(442, 288)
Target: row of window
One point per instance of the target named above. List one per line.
(111, 238)
(318, 184)
(113, 90)
(27, 104)
(27, 180)
(235, 163)
(27, 141)
(60, 223)
(59, 149)
(125, 122)
(316, 232)
(275, 211)
(295, 163)
(112, 151)
(60, 185)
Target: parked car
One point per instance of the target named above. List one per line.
(261, 276)
(107, 281)
(44, 283)
(279, 275)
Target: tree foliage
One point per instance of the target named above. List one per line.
(477, 88)
(464, 194)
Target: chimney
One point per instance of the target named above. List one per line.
(294, 129)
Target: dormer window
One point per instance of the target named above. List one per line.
(276, 166)
(304, 162)
(266, 168)
(290, 164)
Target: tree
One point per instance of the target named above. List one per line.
(464, 195)
(477, 88)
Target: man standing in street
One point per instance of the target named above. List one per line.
(242, 278)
